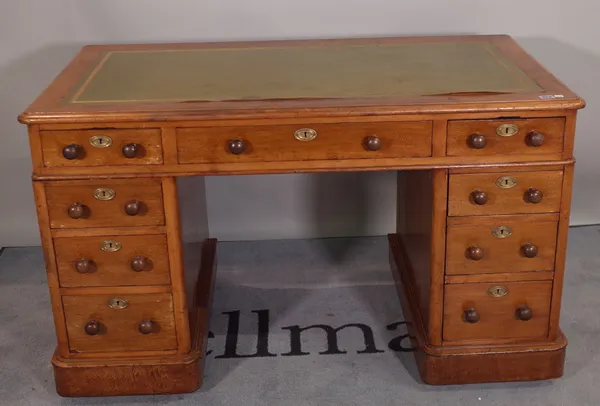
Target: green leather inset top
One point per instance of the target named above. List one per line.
(325, 71)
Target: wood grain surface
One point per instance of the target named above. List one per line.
(504, 201)
(147, 140)
(497, 314)
(109, 213)
(561, 249)
(113, 268)
(501, 255)
(553, 130)
(127, 380)
(119, 327)
(333, 141)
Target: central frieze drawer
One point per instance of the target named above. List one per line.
(304, 142)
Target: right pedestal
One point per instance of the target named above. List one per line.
(478, 260)
(446, 365)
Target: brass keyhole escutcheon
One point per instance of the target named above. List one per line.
(305, 134)
(117, 303)
(104, 193)
(501, 232)
(111, 246)
(507, 130)
(506, 182)
(498, 291)
(100, 141)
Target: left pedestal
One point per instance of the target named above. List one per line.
(124, 320)
(147, 375)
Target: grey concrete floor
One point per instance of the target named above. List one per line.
(297, 284)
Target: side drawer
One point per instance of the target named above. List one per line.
(110, 203)
(112, 260)
(102, 147)
(145, 324)
(533, 136)
(497, 311)
(501, 244)
(504, 193)
(279, 143)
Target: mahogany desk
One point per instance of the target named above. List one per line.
(480, 134)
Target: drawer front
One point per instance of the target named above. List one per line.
(93, 261)
(76, 148)
(279, 143)
(146, 324)
(504, 193)
(501, 245)
(472, 312)
(79, 204)
(536, 136)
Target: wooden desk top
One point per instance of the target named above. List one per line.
(167, 82)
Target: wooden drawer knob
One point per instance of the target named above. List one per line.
(85, 265)
(130, 150)
(139, 263)
(534, 195)
(372, 143)
(475, 253)
(524, 313)
(476, 141)
(92, 327)
(479, 197)
(471, 316)
(76, 210)
(535, 139)
(72, 151)
(236, 146)
(529, 250)
(146, 326)
(133, 207)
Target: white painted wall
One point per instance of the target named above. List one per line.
(38, 37)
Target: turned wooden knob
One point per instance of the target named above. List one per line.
(146, 326)
(139, 263)
(92, 327)
(236, 146)
(71, 151)
(534, 139)
(475, 253)
(479, 197)
(529, 250)
(133, 207)
(524, 313)
(533, 195)
(476, 141)
(85, 265)
(76, 210)
(372, 143)
(130, 150)
(471, 315)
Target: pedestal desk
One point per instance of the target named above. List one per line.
(480, 134)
